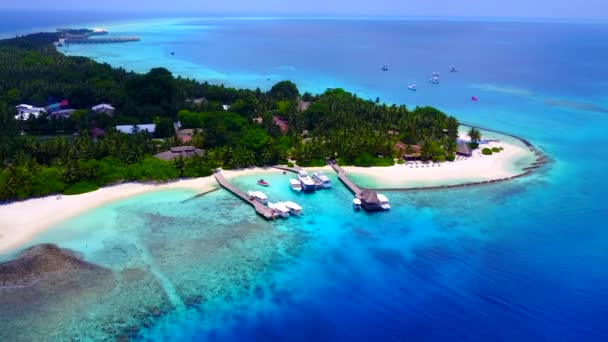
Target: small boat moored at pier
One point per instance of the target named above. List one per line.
(307, 183)
(384, 204)
(279, 208)
(321, 180)
(356, 204)
(258, 196)
(293, 208)
(295, 185)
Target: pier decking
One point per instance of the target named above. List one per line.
(261, 209)
(344, 179)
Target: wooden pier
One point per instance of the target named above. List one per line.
(344, 179)
(261, 209)
(290, 169)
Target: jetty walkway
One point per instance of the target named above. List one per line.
(101, 40)
(261, 209)
(345, 180)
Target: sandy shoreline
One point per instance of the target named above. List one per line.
(507, 163)
(21, 221)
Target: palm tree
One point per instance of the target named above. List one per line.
(474, 134)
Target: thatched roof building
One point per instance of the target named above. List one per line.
(463, 149)
(180, 151)
(369, 200)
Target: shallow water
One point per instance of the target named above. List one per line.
(521, 260)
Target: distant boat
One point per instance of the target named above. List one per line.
(453, 69)
(263, 182)
(473, 98)
(172, 53)
(434, 80)
(412, 87)
(295, 185)
(385, 67)
(321, 180)
(384, 204)
(435, 74)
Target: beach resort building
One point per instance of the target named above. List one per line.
(369, 200)
(180, 151)
(104, 108)
(303, 105)
(25, 111)
(185, 135)
(407, 152)
(131, 129)
(463, 149)
(282, 123)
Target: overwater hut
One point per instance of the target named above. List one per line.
(180, 151)
(369, 200)
(463, 149)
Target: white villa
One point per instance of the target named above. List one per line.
(104, 108)
(25, 111)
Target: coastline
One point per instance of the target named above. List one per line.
(21, 221)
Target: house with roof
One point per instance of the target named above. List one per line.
(180, 151)
(104, 108)
(282, 123)
(369, 200)
(131, 129)
(25, 111)
(185, 135)
(407, 152)
(463, 149)
(303, 105)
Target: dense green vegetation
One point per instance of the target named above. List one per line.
(48, 155)
(486, 151)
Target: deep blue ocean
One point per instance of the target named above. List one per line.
(516, 261)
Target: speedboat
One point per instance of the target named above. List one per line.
(435, 74)
(385, 67)
(293, 208)
(434, 80)
(258, 196)
(453, 69)
(279, 208)
(412, 87)
(356, 204)
(321, 180)
(307, 183)
(263, 182)
(383, 202)
(295, 185)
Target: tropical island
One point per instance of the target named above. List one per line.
(71, 125)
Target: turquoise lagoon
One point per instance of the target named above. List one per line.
(520, 260)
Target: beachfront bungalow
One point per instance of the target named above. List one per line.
(282, 123)
(407, 152)
(180, 151)
(369, 200)
(104, 108)
(63, 113)
(25, 111)
(131, 129)
(463, 149)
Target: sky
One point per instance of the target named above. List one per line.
(564, 9)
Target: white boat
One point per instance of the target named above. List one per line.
(434, 80)
(258, 196)
(322, 180)
(453, 69)
(279, 208)
(293, 208)
(384, 202)
(435, 74)
(412, 87)
(307, 183)
(356, 204)
(295, 185)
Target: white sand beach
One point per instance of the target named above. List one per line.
(509, 162)
(20, 221)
